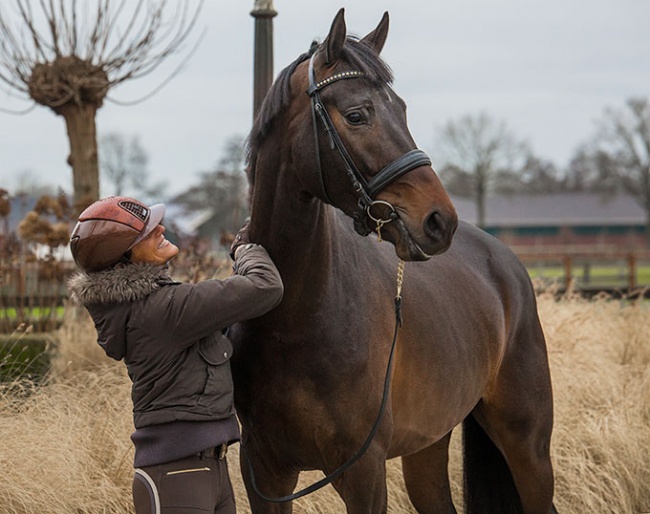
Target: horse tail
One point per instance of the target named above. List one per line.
(488, 484)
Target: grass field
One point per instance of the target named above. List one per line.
(595, 275)
(65, 448)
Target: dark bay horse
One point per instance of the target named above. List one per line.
(309, 375)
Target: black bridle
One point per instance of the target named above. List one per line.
(366, 189)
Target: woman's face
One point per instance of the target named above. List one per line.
(154, 249)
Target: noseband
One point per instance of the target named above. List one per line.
(367, 190)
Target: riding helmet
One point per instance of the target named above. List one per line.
(109, 228)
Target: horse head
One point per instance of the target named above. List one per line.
(367, 162)
(350, 145)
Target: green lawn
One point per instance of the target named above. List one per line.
(32, 312)
(596, 275)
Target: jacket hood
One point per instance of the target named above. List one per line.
(108, 295)
(122, 283)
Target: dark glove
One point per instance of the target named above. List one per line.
(242, 238)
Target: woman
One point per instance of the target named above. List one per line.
(170, 336)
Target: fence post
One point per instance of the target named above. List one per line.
(568, 279)
(631, 277)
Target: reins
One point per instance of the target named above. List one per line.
(364, 447)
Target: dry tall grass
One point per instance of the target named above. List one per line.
(64, 446)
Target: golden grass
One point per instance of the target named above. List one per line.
(65, 448)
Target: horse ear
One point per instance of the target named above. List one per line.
(377, 37)
(336, 38)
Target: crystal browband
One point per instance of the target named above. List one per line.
(337, 76)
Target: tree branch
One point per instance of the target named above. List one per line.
(148, 38)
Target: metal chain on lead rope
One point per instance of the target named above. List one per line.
(400, 268)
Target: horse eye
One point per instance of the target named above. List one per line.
(354, 118)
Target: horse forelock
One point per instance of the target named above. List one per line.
(358, 57)
(363, 58)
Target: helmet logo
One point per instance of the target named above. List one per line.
(138, 210)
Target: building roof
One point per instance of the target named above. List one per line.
(560, 209)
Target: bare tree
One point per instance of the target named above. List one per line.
(221, 191)
(592, 170)
(618, 157)
(122, 163)
(222, 188)
(477, 153)
(30, 183)
(538, 176)
(67, 55)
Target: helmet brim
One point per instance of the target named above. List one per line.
(156, 214)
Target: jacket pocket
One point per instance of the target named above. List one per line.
(217, 397)
(215, 350)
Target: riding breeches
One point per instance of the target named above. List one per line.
(192, 485)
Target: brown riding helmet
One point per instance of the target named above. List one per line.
(109, 228)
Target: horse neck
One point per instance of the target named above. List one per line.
(296, 231)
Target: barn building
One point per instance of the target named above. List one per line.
(562, 221)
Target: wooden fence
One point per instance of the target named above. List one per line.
(34, 294)
(589, 270)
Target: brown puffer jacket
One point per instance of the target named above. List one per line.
(170, 334)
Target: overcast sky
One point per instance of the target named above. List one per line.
(548, 69)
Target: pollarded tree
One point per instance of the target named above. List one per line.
(68, 54)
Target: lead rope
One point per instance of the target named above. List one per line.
(398, 296)
(384, 400)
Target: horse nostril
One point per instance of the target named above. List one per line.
(434, 226)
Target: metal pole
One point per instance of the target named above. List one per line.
(263, 12)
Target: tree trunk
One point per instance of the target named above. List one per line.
(80, 123)
(480, 204)
(645, 184)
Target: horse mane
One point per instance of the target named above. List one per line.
(357, 54)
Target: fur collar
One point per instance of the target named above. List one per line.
(122, 283)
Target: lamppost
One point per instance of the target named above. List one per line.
(263, 12)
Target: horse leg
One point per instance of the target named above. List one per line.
(527, 458)
(427, 479)
(363, 487)
(270, 484)
(517, 416)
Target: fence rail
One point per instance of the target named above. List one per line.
(590, 270)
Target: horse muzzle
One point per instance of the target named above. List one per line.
(413, 241)
(435, 237)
